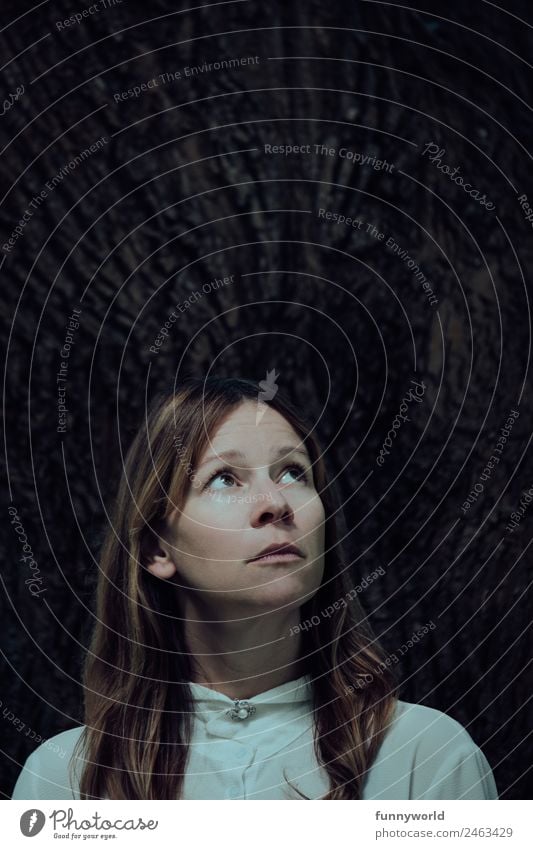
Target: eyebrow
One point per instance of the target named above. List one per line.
(234, 454)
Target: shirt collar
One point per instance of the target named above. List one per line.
(273, 718)
(290, 693)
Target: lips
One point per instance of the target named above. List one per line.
(283, 548)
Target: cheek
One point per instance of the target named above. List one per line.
(313, 516)
(203, 539)
(220, 513)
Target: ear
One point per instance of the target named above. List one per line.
(161, 566)
(156, 557)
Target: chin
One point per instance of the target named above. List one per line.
(281, 596)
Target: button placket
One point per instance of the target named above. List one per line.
(234, 793)
(241, 757)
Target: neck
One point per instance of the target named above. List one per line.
(245, 657)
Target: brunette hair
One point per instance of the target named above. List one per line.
(137, 699)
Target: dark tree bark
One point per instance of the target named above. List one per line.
(180, 191)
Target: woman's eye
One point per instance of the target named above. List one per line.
(298, 471)
(221, 473)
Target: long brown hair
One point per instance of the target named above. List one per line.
(138, 703)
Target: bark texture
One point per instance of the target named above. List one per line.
(180, 191)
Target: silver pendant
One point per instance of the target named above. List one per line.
(241, 709)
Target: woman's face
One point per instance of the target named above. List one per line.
(237, 506)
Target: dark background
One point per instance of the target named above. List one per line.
(183, 192)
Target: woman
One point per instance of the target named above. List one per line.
(217, 670)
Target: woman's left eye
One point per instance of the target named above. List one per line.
(301, 473)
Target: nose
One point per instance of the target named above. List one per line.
(270, 505)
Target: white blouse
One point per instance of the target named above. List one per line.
(425, 754)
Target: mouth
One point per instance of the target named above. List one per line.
(278, 554)
(276, 558)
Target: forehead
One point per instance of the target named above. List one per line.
(252, 426)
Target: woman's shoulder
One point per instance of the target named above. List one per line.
(427, 727)
(427, 754)
(45, 773)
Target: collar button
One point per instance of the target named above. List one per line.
(241, 709)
